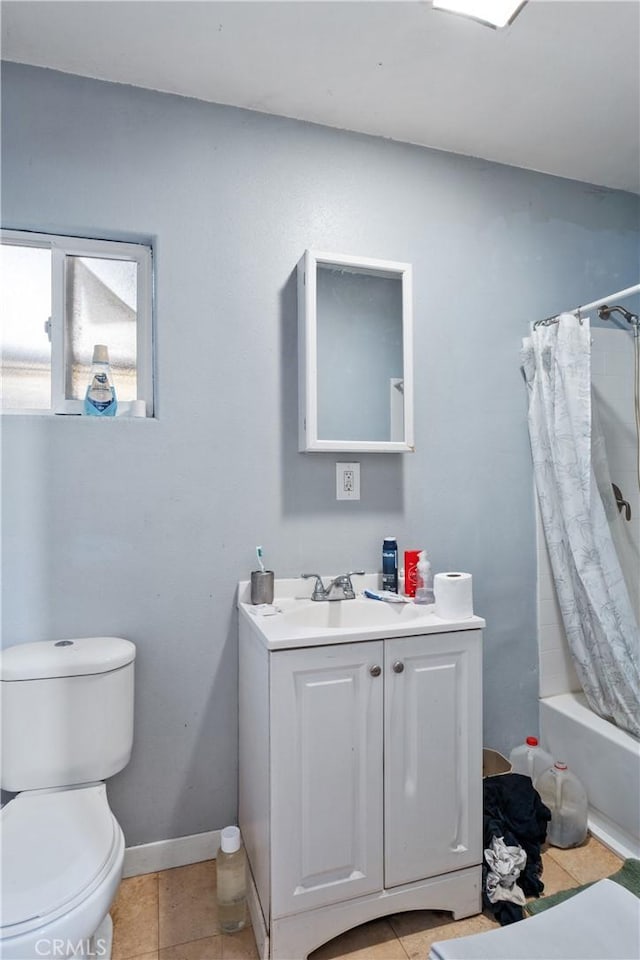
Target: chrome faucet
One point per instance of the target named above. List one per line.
(340, 587)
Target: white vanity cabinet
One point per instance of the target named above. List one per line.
(360, 781)
(327, 791)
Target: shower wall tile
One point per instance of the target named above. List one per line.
(557, 662)
(558, 678)
(549, 610)
(551, 637)
(622, 460)
(618, 357)
(546, 594)
(598, 367)
(615, 406)
(546, 591)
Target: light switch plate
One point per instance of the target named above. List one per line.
(347, 481)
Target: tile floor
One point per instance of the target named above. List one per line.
(172, 915)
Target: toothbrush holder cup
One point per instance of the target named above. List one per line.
(261, 586)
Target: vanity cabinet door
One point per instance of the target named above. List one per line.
(433, 755)
(326, 775)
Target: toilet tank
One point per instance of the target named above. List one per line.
(67, 711)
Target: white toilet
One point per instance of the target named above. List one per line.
(67, 725)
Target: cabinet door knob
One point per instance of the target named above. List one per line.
(398, 666)
(375, 670)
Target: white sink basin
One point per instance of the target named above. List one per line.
(346, 614)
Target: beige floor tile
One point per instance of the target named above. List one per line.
(177, 909)
(135, 917)
(370, 941)
(207, 948)
(591, 861)
(554, 877)
(187, 904)
(239, 946)
(419, 929)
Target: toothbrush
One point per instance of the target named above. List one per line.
(260, 561)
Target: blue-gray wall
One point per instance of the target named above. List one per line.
(231, 199)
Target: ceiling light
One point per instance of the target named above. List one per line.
(495, 13)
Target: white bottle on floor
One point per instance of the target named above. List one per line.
(231, 869)
(530, 759)
(565, 796)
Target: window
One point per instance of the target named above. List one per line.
(60, 296)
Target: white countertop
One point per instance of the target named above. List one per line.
(301, 622)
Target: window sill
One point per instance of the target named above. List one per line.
(50, 415)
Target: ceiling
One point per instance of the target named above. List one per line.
(556, 91)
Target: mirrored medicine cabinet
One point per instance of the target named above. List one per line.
(355, 354)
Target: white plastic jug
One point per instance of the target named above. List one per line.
(565, 796)
(530, 759)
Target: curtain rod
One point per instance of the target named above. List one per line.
(620, 295)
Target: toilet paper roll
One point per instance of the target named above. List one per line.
(453, 596)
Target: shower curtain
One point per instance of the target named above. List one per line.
(599, 621)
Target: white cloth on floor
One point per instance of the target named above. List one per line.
(505, 864)
(599, 923)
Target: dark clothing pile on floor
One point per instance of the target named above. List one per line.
(513, 810)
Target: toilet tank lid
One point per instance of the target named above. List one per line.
(65, 658)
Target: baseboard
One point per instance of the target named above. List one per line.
(165, 854)
(613, 836)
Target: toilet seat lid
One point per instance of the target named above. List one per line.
(54, 843)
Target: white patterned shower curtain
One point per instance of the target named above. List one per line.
(599, 621)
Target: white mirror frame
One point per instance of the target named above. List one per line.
(308, 355)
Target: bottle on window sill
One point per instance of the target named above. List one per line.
(100, 398)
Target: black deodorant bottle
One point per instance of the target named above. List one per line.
(390, 564)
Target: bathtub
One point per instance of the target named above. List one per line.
(605, 759)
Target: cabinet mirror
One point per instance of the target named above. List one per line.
(355, 354)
